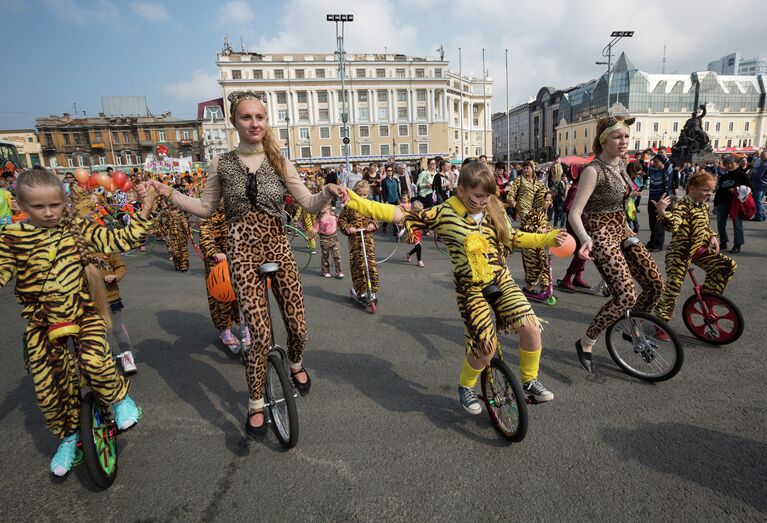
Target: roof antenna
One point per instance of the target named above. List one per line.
(441, 51)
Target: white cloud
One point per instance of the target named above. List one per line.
(202, 86)
(81, 14)
(154, 13)
(236, 14)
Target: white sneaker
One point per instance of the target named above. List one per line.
(128, 363)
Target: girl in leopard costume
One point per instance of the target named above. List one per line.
(253, 180)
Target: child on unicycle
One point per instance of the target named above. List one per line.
(62, 293)
(477, 233)
(692, 241)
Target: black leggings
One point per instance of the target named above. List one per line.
(416, 250)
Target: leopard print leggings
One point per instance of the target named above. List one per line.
(255, 239)
(619, 269)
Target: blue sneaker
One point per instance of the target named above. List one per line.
(127, 413)
(64, 459)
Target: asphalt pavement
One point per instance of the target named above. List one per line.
(382, 435)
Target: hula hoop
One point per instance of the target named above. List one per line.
(397, 228)
(292, 232)
(439, 245)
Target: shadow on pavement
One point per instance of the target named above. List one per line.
(423, 328)
(727, 464)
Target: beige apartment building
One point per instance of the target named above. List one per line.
(27, 145)
(398, 106)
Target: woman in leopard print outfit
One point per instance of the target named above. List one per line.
(253, 180)
(598, 219)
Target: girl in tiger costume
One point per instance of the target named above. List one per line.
(692, 241)
(63, 294)
(535, 261)
(477, 233)
(351, 223)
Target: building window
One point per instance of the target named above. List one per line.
(421, 113)
(236, 74)
(638, 126)
(77, 138)
(258, 74)
(383, 131)
(322, 97)
(420, 73)
(585, 132)
(284, 151)
(746, 126)
(675, 127)
(423, 130)
(400, 73)
(102, 160)
(324, 115)
(423, 148)
(303, 115)
(401, 95)
(282, 98)
(364, 114)
(97, 136)
(718, 126)
(567, 135)
(456, 135)
(70, 162)
(319, 73)
(115, 137)
(575, 134)
(716, 144)
(303, 133)
(282, 114)
(383, 113)
(279, 73)
(731, 127)
(301, 96)
(325, 151)
(186, 135)
(402, 113)
(364, 131)
(362, 96)
(67, 139)
(118, 160)
(420, 96)
(365, 149)
(127, 159)
(161, 136)
(360, 73)
(385, 150)
(283, 133)
(306, 152)
(404, 148)
(383, 96)
(325, 133)
(380, 73)
(438, 73)
(636, 145)
(402, 130)
(299, 73)
(138, 158)
(729, 143)
(655, 127)
(178, 135)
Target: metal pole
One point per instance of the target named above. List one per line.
(484, 104)
(341, 69)
(508, 118)
(609, 73)
(460, 83)
(287, 130)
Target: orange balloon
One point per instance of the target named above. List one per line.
(119, 178)
(564, 250)
(219, 284)
(104, 180)
(81, 175)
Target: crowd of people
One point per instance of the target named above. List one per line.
(481, 213)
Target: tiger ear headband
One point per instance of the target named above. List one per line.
(237, 97)
(613, 124)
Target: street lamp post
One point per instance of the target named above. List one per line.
(342, 73)
(287, 132)
(607, 52)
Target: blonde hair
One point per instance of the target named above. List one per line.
(270, 142)
(40, 177)
(478, 174)
(603, 124)
(417, 205)
(556, 173)
(362, 184)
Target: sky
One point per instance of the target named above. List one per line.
(57, 53)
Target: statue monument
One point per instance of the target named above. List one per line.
(693, 144)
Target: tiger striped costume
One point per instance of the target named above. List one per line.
(50, 285)
(350, 219)
(213, 234)
(176, 233)
(528, 194)
(689, 224)
(535, 261)
(453, 223)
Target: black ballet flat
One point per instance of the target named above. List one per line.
(256, 433)
(302, 388)
(584, 357)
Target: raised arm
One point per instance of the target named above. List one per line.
(203, 206)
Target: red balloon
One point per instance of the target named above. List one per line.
(93, 182)
(564, 250)
(119, 178)
(127, 186)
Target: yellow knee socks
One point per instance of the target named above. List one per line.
(469, 375)
(529, 360)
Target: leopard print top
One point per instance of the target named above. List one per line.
(233, 176)
(611, 190)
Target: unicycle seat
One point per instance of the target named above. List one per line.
(267, 269)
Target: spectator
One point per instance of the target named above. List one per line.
(424, 183)
(758, 180)
(660, 183)
(726, 186)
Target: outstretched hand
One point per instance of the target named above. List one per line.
(662, 204)
(561, 237)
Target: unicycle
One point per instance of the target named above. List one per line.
(280, 409)
(644, 347)
(711, 317)
(505, 402)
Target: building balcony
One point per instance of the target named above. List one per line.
(147, 144)
(97, 145)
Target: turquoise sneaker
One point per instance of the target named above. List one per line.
(64, 459)
(127, 413)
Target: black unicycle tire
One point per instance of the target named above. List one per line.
(99, 440)
(501, 371)
(631, 371)
(279, 389)
(689, 308)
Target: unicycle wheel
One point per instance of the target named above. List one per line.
(551, 300)
(99, 441)
(645, 347)
(504, 400)
(716, 320)
(281, 402)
